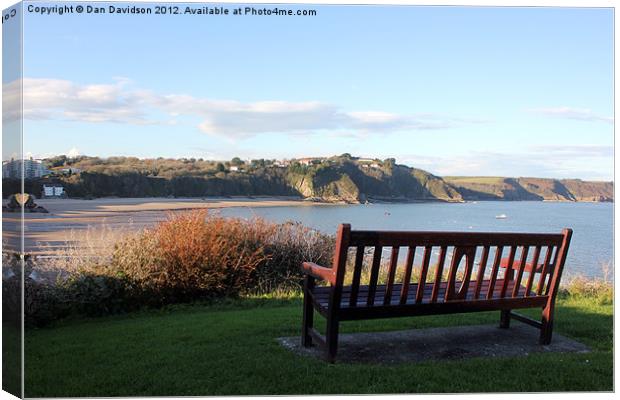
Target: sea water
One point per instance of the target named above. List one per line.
(591, 250)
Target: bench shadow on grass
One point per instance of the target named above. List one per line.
(438, 344)
(585, 363)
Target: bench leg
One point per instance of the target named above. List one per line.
(331, 339)
(546, 329)
(504, 319)
(308, 313)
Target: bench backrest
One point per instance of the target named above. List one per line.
(462, 261)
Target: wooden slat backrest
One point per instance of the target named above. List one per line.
(552, 267)
(560, 260)
(517, 283)
(468, 253)
(495, 270)
(545, 270)
(481, 270)
(404, 292)
(374, 275)
(395, 238)
(438, 273)
(530, 279)
(343, 241)
(424, 270)
(387, 298)
(508, 272)
(465, 245)
(357, 274)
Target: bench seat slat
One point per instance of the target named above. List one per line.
(451, 307)
(321, 294)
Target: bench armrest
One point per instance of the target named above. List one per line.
(516, 264)
(319, 272)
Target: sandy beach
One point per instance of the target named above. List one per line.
(72, 219)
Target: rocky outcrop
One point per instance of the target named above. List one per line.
(15, 204)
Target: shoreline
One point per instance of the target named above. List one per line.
(107, 206)
(115, 205)
(69, 220)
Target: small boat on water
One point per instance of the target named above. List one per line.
(501, 216)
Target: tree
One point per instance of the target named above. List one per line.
(57, 161)
(236, 161)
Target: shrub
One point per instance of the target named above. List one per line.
(95, 295)
(582, 287)
(193, 255)
(11, 288)
(189, 257)
(288, 245)
(40, 302)
(196, 255)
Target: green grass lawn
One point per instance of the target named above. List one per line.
(230, 349)
(11, 359)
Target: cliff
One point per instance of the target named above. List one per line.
(341, 178)
(499, 188)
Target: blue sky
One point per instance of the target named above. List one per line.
(456, 91)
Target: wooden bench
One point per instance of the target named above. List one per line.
(485, 271)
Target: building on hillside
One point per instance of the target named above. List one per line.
(51, 191)
(32, 169)
(310, 160)
(370, 165)
(70, 170)
(281, 163)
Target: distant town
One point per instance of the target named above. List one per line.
(38, 168)
(33, 168)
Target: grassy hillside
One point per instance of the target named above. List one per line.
(499, 188)
(590, 191)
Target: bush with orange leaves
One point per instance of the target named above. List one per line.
(196, 255)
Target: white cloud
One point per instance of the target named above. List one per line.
(11, 101)
(121, 102)
(578, 151)
(581, 114)
(73, 152)
(586, 162)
